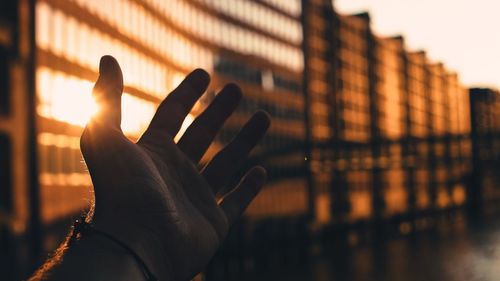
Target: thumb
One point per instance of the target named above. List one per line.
(107, 93)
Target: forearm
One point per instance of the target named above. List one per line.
(93, 257)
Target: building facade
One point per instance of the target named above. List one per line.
(483, 192)
(256, 44)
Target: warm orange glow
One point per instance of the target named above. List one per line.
(361, 204)
(443, 199)
(136, 114)
(65, 98)
(323, 211)
(154, 57)
(422, 199)
(187, 122)
(459, 195)
(396, 200)
(72, 104)
(286, 197)
(69, 99)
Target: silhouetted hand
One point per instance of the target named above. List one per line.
(150, 194)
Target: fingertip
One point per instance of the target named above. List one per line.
(105, 62)
(202, 73)
(108, 64)
(110, 69)
(260, 170)
(235, 203)
(263, 117)
(258, 175)
(234, 88)
(200, 78)
(107, 92)
(110, 75)
(232, 92)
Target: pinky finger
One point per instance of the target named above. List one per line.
(235, 203)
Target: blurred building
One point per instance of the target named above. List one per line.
(157, 44)
(17, 147)
(394, 142)
(255, 44)
(319, 88)
(389, 127)
(484, 193)
(352, 178)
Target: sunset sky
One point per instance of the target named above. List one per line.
(463, 34)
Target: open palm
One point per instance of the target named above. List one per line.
(150, 194)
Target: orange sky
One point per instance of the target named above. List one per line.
(464, 34)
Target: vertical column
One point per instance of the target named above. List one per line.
(9, 138)
(431, 139)
(388, 99)
(5, 146)
(317, 20)
(4, 82)
(482, 191)
(376, 52)
(351, 118)
(408, 157)
(340, 150)
(28, 61)
(5, 178)
(474, 187)
(454, 182)
(447, 139)
(8, 255)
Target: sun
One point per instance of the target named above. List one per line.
(65, 98)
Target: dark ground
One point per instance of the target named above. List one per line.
(453, 249)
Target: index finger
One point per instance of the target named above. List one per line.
(172, 111)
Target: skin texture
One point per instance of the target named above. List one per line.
(151, 194)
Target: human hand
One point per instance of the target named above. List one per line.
(150, 194)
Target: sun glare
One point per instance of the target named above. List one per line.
(65, 98)
(136, 114)
(68, 99)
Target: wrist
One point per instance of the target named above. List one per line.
(145, 245)
(95, 258)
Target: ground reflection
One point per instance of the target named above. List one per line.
(453, 249)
